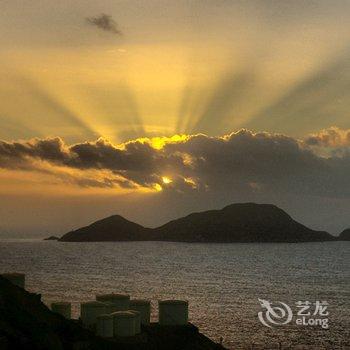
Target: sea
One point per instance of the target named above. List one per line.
(247, 296)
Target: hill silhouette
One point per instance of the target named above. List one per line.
(345, 235)
(242, 222)
(247, 222)
(112, 228)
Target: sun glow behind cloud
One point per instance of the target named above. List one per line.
(159, 142)
(166, 180)
(180, 163)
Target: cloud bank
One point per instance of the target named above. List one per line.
(242, 161)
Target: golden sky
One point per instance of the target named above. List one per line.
(178, 66)
(163, 68)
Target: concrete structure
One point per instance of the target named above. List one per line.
(124, 323)
(144, 308)
(16, 278)
(137, 321)
(89, 311)
(105, 326)
(121, 301)
(62, 308)
(173, 312)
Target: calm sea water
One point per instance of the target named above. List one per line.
(221, 281)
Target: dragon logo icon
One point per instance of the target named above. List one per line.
(278, 315)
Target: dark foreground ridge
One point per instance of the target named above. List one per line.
(244, 222)
(26, 323)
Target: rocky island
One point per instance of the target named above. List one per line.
(345, 235)
(242, 222)
(52, 238)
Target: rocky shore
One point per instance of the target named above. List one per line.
(27, 323)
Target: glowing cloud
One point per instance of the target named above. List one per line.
(242, 160)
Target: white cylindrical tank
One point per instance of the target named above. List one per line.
(89, 311)
(105, 326)
(137, 321)
(62, 308)
(110, 307)
(173, 312)
(121, 301)
(15, 278)
(144, 308)
(124, 323)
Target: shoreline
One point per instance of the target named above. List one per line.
(27, 323)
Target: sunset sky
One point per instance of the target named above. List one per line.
(153, 109)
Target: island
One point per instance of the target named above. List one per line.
(51, 238)
(345, 235)
(240, 222)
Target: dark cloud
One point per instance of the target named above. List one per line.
(105, 23)
(242, 162)
(50, 149)
(20, 155)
